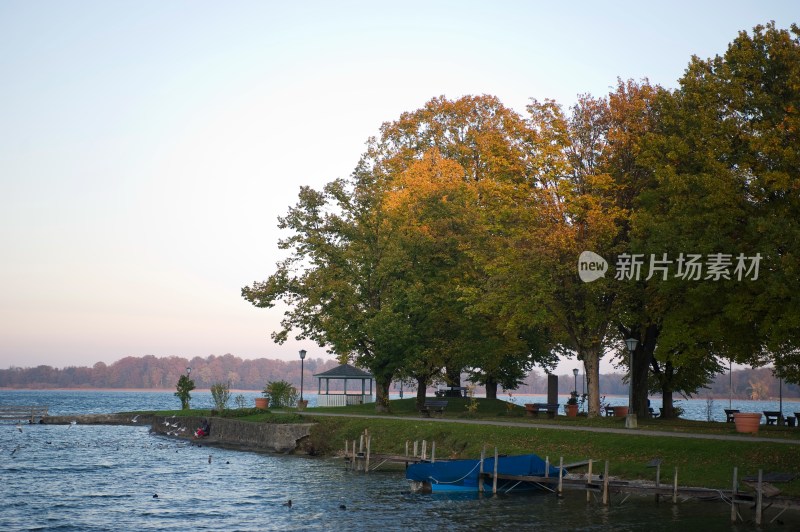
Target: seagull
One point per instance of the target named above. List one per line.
(19, 426)
(15, 450)
(72, 424)
(135, 418)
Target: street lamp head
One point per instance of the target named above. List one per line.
(575, 372)
(188, 371)
(631, 343)
(302, 354)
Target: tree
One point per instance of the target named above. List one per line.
(725, 159)
(185, 385)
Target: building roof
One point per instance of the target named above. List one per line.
(345, 371)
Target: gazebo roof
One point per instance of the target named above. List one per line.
(345, 371)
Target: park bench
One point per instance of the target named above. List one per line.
(772, 416)
(433, 406)
(729, 414)
(533, 409)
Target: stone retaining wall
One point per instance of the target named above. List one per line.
(230, 433)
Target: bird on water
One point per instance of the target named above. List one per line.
(288, 503)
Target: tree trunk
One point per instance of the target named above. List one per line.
(591, 366)
(491, 389)
(422, 385)
(642, 358)
(667, 404)
(382, 384)
(453, 376)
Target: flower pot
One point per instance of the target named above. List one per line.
(302, 404)
(262, 402)
(620, 411)
(572, 410)
(747, 422)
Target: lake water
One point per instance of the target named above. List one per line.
(60, 477)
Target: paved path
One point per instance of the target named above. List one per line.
(546, 426)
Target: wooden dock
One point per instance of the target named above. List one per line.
(31, 414)
(363, 459)
(600, 487)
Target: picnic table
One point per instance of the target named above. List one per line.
(433, 406)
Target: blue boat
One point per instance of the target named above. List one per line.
(462, 475)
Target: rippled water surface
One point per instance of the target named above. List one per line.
(61, 477)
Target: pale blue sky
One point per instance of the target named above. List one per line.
(146, 148)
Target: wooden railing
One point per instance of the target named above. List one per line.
(343, 400)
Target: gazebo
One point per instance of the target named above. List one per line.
(345, 372)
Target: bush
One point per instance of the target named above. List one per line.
(281, 394)
(221, 394)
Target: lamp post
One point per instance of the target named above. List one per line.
(730, 383)
(780, 397)
(630, 419)
(575, 374)
(188, 371)
(302, 357)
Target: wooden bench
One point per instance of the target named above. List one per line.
(533, 409)
(772, 416)
(433, 406)
(729, 412)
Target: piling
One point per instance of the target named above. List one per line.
(759, 496)
(589, 483)
(605, 485)
(561, 477)
(480, 473)
(494, 477)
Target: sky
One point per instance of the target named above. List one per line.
(147, 148)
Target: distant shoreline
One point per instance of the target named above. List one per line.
(501, 396)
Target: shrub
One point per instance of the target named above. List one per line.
(281, 394)
(221, 394)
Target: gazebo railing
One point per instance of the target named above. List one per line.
(340, 399)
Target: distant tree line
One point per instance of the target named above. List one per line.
(149, 372)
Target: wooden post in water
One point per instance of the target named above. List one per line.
(675, 488)
(354, 467)
(589, 483)
(494, 478)
(480, 475)
(605, 485)
(366, 464)
(415, 448)
(733, 495)
(424, 449)
(561, 476)
(759, 493)
(546, 467)
(658, 479)
(433, 452)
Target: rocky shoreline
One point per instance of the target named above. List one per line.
(290, 438)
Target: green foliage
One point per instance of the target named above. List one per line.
(221, 394)
(184, 386)
(241, 401)
(281, 394)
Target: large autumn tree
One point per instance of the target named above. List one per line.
(726, 158)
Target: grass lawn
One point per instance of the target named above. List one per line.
(700, 462)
